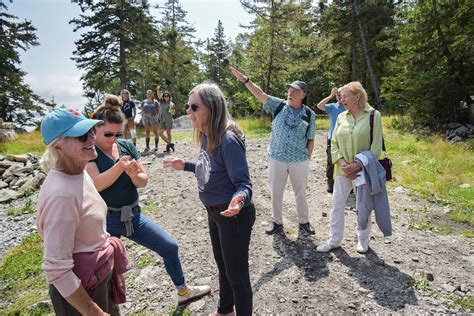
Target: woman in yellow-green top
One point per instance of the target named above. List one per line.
(351, 136)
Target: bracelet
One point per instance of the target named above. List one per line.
(247, 80)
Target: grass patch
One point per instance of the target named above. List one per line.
(26, 143)
(466, 303)
(145, 260)
(255, 126)
(176, 135)
(149, 207)
(29, 207)
(435, 169)
(21, 278)
(420, 284)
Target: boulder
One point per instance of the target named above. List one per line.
(7, 135)
(7, 195)
(3, 184)
(7, 164)
(32, 184)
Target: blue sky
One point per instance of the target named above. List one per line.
(50, 70)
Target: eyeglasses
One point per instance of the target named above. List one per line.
(193, 107)
(166, 96)
(110, 134)
(83, 138)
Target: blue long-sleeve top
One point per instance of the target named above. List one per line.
(224, 173)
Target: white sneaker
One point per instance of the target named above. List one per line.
(327, 246)
(362, 245)
(195, 292)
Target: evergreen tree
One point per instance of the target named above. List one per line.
(18, 103)
(118, 33)
(177, 64)
(433, 72)
(218, 51)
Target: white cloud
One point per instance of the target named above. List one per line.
(65, 89)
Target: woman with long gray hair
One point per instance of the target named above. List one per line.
(225, 189)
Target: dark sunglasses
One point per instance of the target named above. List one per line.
(83, 138)
(110, 134)
(193, 107)
(166, 96)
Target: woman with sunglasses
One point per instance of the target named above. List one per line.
(117, 173)
(79, 254)
(290, 148)
(167, 111)
(225, 189)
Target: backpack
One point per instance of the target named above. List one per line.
(306, 118)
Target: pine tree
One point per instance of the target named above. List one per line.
(218, 51)
(118, 33)
(177, 60)
(18, 103)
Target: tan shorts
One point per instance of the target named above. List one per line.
(150, 119)
(130, 123)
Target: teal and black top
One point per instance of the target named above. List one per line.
(122, 192)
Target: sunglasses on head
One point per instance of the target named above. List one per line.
(193, 107)
(83, 138)
(110, 134)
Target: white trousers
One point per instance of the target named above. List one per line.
(342, 189)
(278, 172)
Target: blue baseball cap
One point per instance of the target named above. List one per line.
(65, 122)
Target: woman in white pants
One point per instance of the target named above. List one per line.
(351, 136)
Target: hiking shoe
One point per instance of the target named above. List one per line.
(273, 228)
(307, 229)
(194, 293)
(362, 245)
(147, 149)
(327, 246)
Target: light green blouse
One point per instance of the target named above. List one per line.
(351, 137)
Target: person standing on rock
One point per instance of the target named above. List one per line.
(150, 108)
(81, 262)
(117, 173)
(167, 111)
(350, 137)
(225, 189)
(130, 111)
(290, 148)
(333, 110)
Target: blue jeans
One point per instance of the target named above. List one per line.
(150, 235)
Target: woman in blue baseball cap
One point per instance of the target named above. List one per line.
(82, 263)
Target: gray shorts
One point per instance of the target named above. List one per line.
(150, 119)
(166, 124)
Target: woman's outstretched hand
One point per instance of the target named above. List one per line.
(234, 207)
(240, 76)
(173, 163)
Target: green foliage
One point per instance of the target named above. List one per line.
(18, 103)
(255, 126)
(145, 260)
(29, 207)
(420, 284)
(21, 277)
(26, 143)
(116, 34)
(432, 73)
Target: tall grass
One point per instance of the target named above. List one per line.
(26, 143)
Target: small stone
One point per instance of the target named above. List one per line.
(430, 277)
(282, 300)
(294, 300)
(448, 288)
(7, 195)
(305, 296)
(464, 186)
(3, 184)
(415, 259)
(397, 261)
(324, 214)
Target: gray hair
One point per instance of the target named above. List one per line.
(219, 118)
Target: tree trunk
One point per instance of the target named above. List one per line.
(122, 56)
(373, 79)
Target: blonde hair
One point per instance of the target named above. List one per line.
(219, 120)
(127, 92)
(50, 158)
(355, 87)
